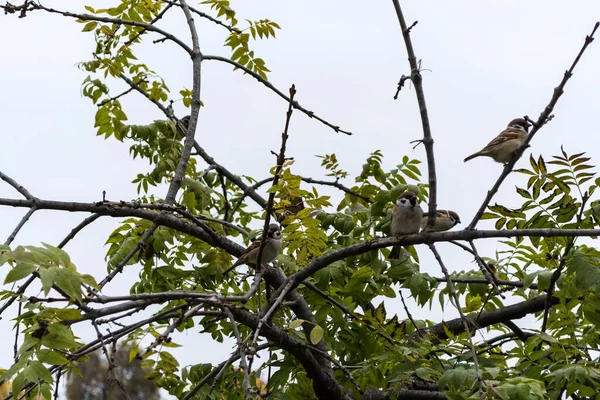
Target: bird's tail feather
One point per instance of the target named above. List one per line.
(395, 253)
(472, 156)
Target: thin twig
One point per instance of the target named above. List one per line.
(77, 229)
(268, 84)
(18, 187)
(485, 269)
(154, 20)
(170, 329)
(226, 205)
(89, 17)
(112, 375)
(119, 268)
(242, 352)
(556, 274)
(20, 225)
(208, 17)
(220, 367)
(462, 315)
(199, 150)
(276, 176)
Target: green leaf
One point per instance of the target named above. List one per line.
(295, 323)
(316, 334)
(59, 337)
(89, 26)
(20, 271)
(524, 193)
(39, 372)
(47, 277)
(69, 282)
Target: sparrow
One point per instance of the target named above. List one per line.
(444, 220)
(406, 218)
(269, 253)
(504, 146)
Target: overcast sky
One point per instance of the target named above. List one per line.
(485, 64)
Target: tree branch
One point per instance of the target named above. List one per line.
(268, 84)
(89, 17)
(543, 118)
(417, 80)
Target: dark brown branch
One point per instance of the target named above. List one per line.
(337, 185)
(126, 92)
(77, 229)
(206, 16)
(226, 205)
(220, 367)
(199, 150)
(89, 17)
(401, 394)
(268, 84)
(324, 384)
(558, 271)
(154, 20)
(463, 318)
(318, 263)
(543, 118)
(119, 268)
(276, 176)
(488, 318)
(417, 80)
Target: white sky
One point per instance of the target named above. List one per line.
(490, 62)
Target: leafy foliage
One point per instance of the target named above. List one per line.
(381, 350)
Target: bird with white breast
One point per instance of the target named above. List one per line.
(270, 250)
(406, 218)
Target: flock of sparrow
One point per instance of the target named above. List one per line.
(407, 216)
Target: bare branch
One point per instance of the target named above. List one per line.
(417, 80)
(460, 312)
(219, 368)
(242, 353)
(489, 318)
(163, 337)
(268, 84)
(18, 187)
(25, 218)
(77, 229)
(199, 150)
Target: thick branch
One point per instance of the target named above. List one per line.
(488, 318)
(324, 384)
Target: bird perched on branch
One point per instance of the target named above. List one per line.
(503, 147)
(269, 253)
(444, 220)
(406, 218)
